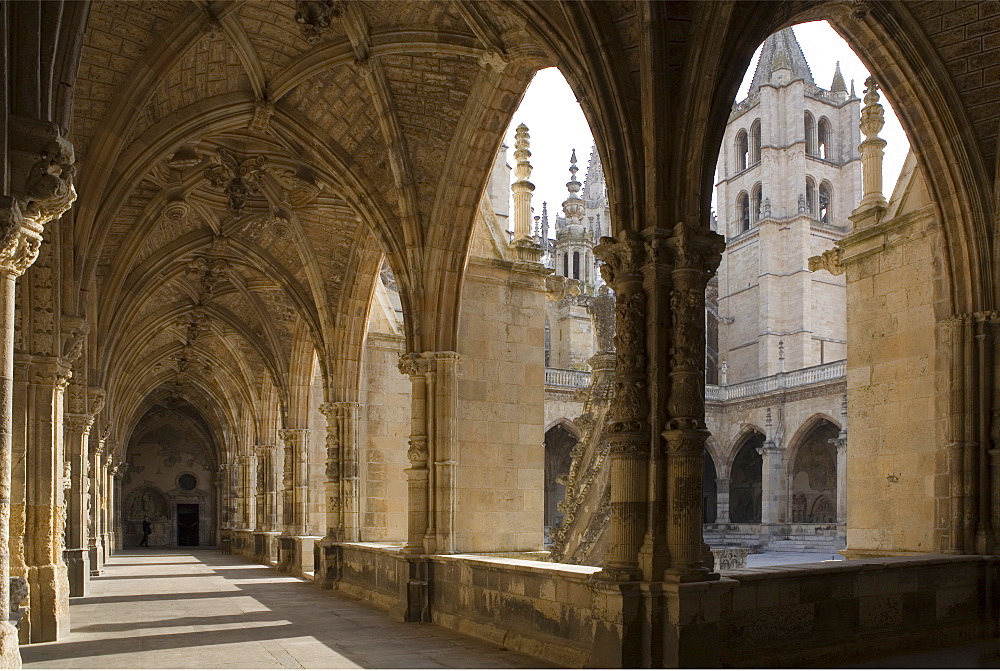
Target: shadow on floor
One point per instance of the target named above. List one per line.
(290, 608)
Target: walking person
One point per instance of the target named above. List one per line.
(146, 530)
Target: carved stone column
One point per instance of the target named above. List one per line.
(696, 255)
(78, 553)
(342, 467)
(296, 480)
(250, 490)
(108, 508)
(840, 443)
(95, 541)
(45, 504)
(628, 437)
(267, 493)
(431, 476)
(722, 500)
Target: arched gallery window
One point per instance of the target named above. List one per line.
(755, 202)
(755, 142)
(743, 211)
(576, 265)
(825, 202)
(825, 139)
(742, 151)
(810, 127)
(814, 477)
(811, 197)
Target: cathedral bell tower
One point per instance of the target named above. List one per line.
(789, 174)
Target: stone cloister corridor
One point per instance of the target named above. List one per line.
(176, 609)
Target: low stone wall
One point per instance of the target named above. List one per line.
(538, 608)
(829, 613)
(803, 615)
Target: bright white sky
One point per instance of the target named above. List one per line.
(556, 123)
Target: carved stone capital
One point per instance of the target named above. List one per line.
(622, 256)
(696, 248)
(293, 435)
(51, 373)
(76, 424)
(417, 452)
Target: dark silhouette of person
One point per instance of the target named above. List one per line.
(146, 530)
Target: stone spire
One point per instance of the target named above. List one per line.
(545, 225)
(872, 148)
(780, 50)
(522, 188)
(838, 85)
(573, 206)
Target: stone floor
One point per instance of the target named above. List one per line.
(175, 609)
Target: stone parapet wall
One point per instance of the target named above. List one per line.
(804, 615)
(836, 612)
(536, 608)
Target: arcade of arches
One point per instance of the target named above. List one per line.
(205, 204)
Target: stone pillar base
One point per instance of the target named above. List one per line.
(295, 555)
(78, 570)
(327, 557)
(693, 633)
(415, 605)
(48, 602)
(10, 655)
(617, 625)
(96, 551)
(265, 547)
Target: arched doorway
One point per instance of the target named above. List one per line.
(169, 479)
(814, 477)
(745, 481)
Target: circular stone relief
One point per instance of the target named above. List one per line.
(187, 482)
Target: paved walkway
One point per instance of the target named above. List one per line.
(172, 609)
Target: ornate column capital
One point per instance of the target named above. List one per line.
(416, 364)
(696, 248)
(293, 435)
(78, 424)
(622, 256)
(50, 373)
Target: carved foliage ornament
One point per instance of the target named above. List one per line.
(315, 16)
(696, 248)
(237, 178)
(622, 257)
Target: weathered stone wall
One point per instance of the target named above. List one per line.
(821, 614)
(827, 613)
(531, 607)
(386, 408)
(898, 413)
(499, 430)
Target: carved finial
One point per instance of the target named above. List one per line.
(522, 188)
(872, 148)
(781, 356)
